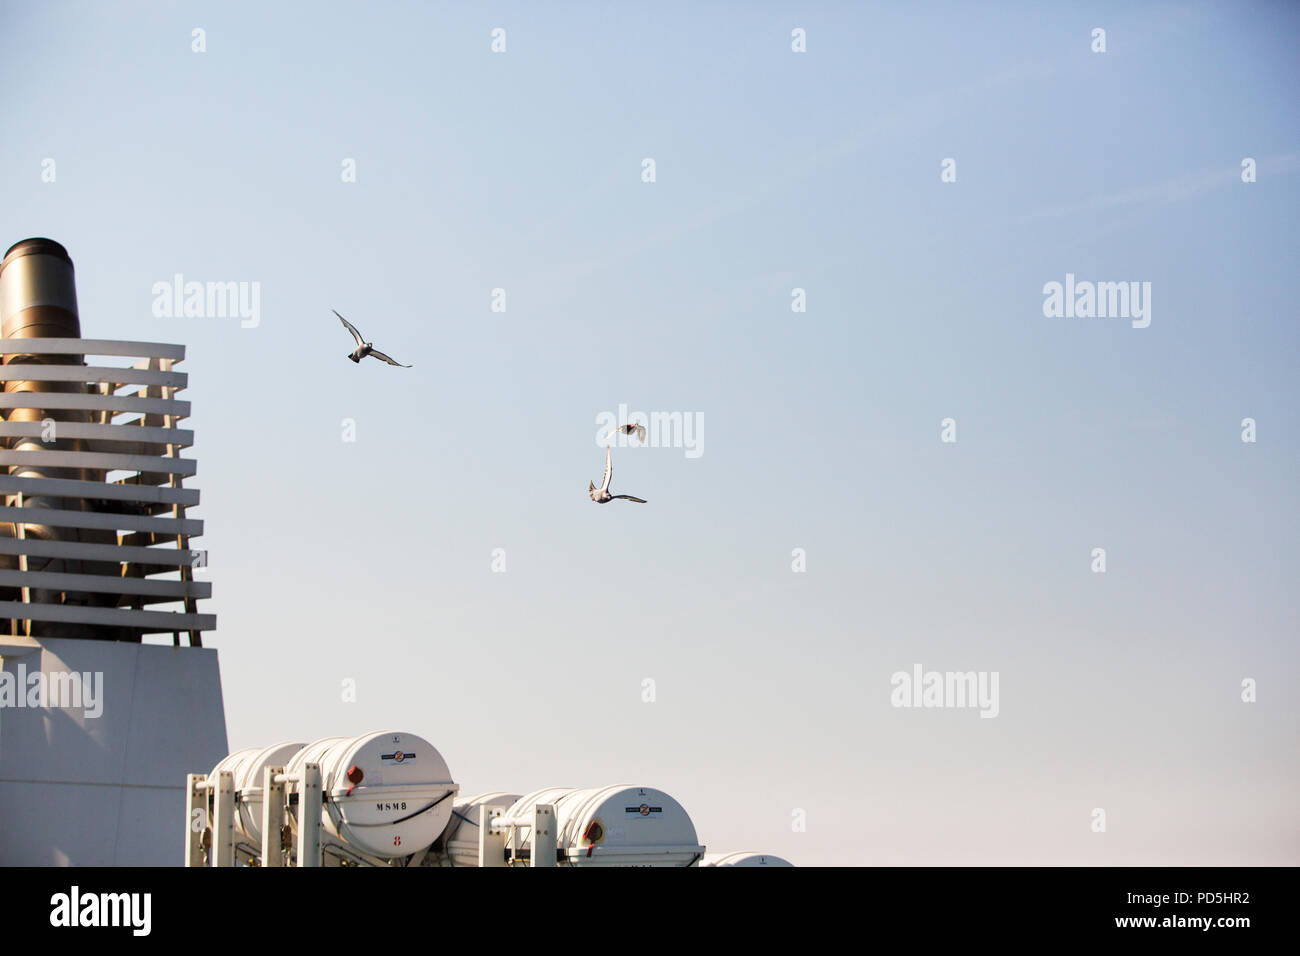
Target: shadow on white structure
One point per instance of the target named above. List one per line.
(106, 790)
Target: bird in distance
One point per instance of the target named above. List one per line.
(601, 495)
(365, 348)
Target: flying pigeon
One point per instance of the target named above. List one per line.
(629, 429)
(365, 348)
(601, 495)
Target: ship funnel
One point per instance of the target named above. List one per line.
(38, 297)
(79, 549)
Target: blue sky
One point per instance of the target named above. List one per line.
(372, 560)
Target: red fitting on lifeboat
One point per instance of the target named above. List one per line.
(355, 776)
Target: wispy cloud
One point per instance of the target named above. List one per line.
(1179, 189)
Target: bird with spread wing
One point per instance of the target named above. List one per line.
(601, 495)
(365, 348)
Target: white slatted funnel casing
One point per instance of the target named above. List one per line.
(91, 470)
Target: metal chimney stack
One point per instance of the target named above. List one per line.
(78, 552)
(38, 299)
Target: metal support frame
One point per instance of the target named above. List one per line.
(178, 510)
(196, 802)
(223, 819)
(309, 813)
(545, 837)
(495, 829)
(22, 566)
(220, 822)
(491, 841)
(273, 800)
(215, 802)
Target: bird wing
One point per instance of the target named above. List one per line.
(609, 470)
(351, 328)
(630, 429)
(374, 353)
(640, 432)
(629, 498)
